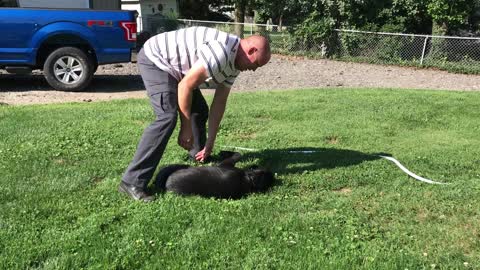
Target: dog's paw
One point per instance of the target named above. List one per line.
(229, 154)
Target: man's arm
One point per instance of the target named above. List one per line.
(215, 117)
(194, 77)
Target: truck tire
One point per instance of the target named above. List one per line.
(68, 69)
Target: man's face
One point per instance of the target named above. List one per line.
(253, 57)
(252, 63)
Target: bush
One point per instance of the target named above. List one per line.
(158, 23)
(315, 33)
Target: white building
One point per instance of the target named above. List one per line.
(92, 4)
(148, 8)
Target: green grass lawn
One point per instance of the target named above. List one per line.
(337, 208)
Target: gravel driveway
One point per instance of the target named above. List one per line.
(122, 80)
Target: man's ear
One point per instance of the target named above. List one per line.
(252, 50)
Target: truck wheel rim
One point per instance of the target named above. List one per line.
(68, 70)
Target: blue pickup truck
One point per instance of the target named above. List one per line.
(67, 44)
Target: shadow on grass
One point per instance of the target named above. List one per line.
(100, 83)
(298, 160)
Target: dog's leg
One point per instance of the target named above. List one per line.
(229, 159)
(164, 173)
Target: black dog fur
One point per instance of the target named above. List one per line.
(221, 181)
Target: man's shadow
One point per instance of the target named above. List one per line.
(298, 160)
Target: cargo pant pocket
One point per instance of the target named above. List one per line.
(164, 102)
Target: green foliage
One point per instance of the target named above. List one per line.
(409, 16)
(314, 33)
(351, 44)
(380, 49)
(169, 23)
(338, 208)
(267, 9)
(229, 28)
(202, 10)
(159, 23)
(451, 14)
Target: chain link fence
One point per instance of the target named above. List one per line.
(278, 35)
(458, 54)
(230, 27)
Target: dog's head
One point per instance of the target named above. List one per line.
(261, 179)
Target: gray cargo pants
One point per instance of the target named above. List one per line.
(162, 91)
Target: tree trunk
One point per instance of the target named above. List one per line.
(280, 22)
(439, 46)
(239, 17)
(439, 29)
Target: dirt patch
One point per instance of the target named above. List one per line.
(344, 190)
(332, 139)
(121, 81)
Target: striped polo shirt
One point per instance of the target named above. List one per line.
(175, 52)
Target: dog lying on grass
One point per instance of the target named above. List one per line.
(221, 181)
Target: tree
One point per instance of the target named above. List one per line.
(407, 16)
(240, 6)
(194, 9)
(448, 16)
(439, 17)
(474, 19)
(202, 9)
(274, 9)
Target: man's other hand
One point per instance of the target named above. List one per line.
(185, 138)
(203, 154)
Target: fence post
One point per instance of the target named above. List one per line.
(423, 52)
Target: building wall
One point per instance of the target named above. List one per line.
(149, 7)
(94, 4)
(106, 4)
(146, 8)
(54, 3)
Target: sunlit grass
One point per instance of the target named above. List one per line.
(339, 207)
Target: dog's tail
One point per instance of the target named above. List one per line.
(165, 172)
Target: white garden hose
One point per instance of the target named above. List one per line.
(396, 162)
(419, 178)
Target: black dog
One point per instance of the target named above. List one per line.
(221, 181)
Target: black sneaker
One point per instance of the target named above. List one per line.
(135, 193)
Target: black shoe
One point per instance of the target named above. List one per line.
(135, 193)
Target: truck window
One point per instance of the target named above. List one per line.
(8, 3)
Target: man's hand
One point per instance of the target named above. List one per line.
(194, 77)
(203, 154)
(216, 113)
(185, 138)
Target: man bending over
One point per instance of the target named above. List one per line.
(173, 66)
